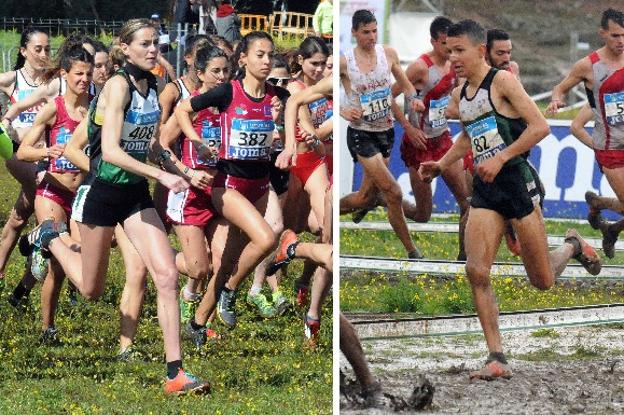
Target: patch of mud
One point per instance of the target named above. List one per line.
(568, 371)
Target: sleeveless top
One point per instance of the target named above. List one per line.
(606, 99)
(247, 126)
(207, 124)
(372, 92)
(22, 90)
(60, 133)
(141, 117)
(318, 112)
(435, 96)
(489, 131)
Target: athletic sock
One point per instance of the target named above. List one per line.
(173, 368)
(496, 356)
(20, 291)
(194, 325)
(576, 244)
(255, 289)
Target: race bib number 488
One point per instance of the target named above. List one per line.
(485, 139)
(250, 139)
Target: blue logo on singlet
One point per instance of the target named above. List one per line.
(139, 118)
(210, 131)
(253, 125)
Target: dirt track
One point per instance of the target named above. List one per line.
(572, 370)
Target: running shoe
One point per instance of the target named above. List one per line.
(285, 251)
(128, 354)
(588, 257)
(187, 309)
(226, 307)
(198, 336)
(50, 337)
(513, 244)
(358, 215)
(40, 236)
(301, 292)
(415, 254)
(492, 370)
(280, 302)
(20, 304)
(185, 383)
(38, 265)
(609, 238)
(593, 215)
(262, 305)
(311, 330)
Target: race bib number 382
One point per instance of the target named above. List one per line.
(485, 139)
(614, 108)
(250, 139)
(376, 104)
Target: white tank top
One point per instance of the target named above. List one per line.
(371, 92)
(22, 90)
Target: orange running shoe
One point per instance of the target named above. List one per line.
(492, 370)
(588, 257)
(284, 253)
(185, 383)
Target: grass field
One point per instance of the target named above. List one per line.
(260, 367)
(425, 295)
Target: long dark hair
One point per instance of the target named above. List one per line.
(307, 49)
(243, 47)
(27, 34)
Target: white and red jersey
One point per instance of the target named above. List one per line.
(607, 101)
(21, 91)
(435, 96)
(247, 126)
(207, 125)
(60, 133)
(372, 92)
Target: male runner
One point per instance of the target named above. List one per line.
(499, 51)
(365, 74)
(501, 124)
(427, 136)
(602, 73)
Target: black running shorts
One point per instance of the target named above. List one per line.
(101, 203)
(366, 144)
(515, 192)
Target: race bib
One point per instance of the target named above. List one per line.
(375, 105)
(138, 130)
(437, 107)
(28, 116)
(485, 139)
(250, 139)
(211, 136)
(319, 111)
(62, 163)
(614, 108)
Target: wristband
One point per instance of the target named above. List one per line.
(164, 156)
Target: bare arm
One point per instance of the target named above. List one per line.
(74, 151)
(168, 67)
(577, 74)
(7, 82)
(44, 92)
(167, 99)
(537, 127)
(577, 128)
(28, 151)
